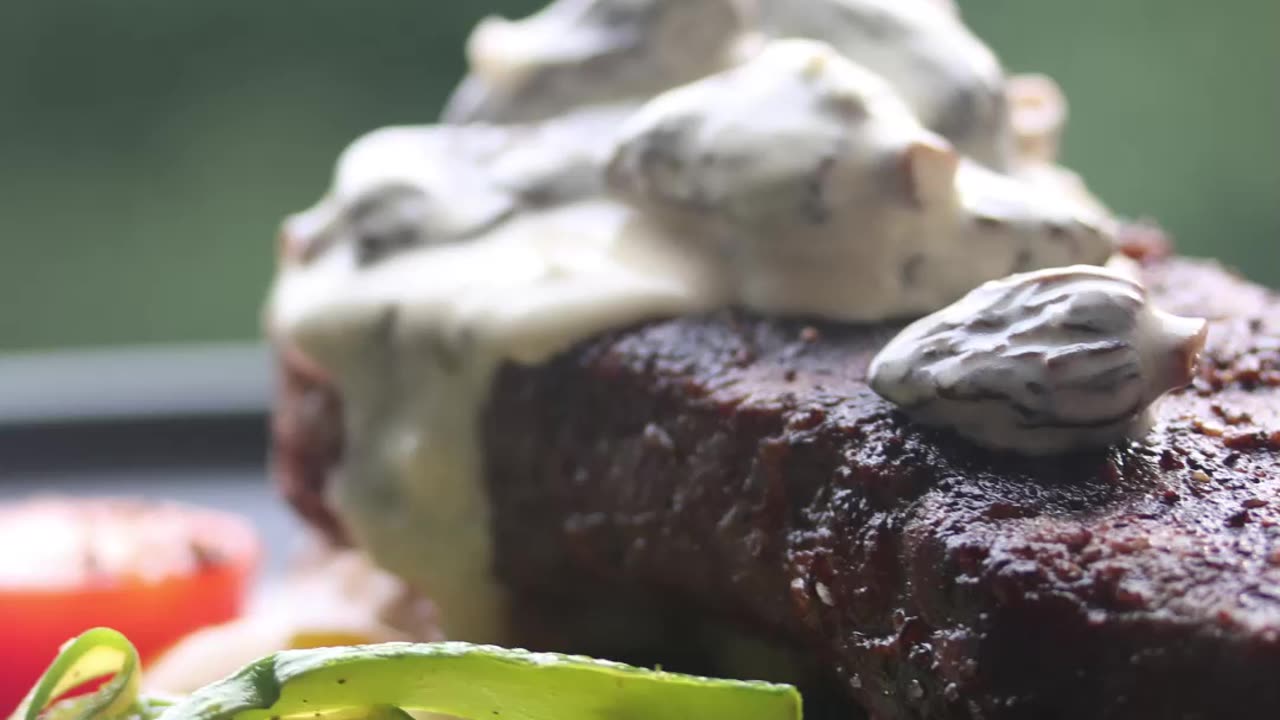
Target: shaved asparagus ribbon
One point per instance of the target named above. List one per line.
(385, 682)
(93, 655)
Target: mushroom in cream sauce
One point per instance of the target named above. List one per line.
(948, 77)
(584, 52)
(627, 160)
(1043, 362)
(825, 194)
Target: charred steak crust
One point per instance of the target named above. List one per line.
(744, 466)
(741, 467)
(306, 439)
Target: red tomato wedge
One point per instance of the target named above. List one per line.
(154, 571)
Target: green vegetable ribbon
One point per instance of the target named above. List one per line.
(385, 682)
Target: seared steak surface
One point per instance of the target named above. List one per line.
(736, 468)
(742, 467)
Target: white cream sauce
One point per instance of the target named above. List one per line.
(412, 346)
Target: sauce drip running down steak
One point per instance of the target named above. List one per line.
(741, 470)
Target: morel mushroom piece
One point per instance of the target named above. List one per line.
(1038, 113)
(1042, 362)
(783, 142)
(575, 53)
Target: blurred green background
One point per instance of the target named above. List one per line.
(148, 148)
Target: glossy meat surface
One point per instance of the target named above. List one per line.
(743, 467)
(737, 469)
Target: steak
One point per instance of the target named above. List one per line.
(736, 470)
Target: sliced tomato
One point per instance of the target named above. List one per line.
(153, 571)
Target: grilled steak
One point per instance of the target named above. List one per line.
(738, 469)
